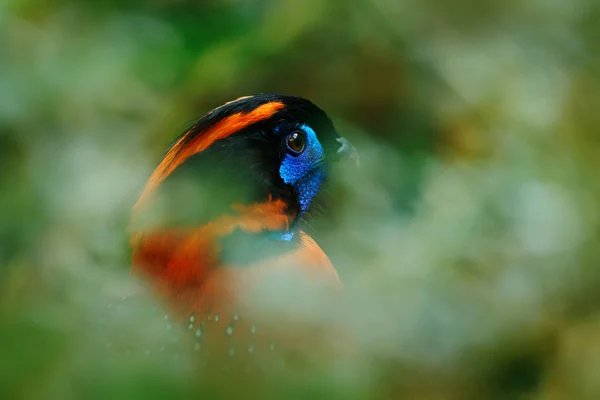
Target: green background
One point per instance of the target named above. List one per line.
(468, 237)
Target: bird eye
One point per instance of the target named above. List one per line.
(296, 141)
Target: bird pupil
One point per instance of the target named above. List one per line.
(296, 142)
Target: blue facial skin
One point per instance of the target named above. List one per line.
(305, 172)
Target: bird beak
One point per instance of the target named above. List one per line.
(346, 150)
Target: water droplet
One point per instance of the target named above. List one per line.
(198, 332)
(192, 318)
(253, 329)
(235, 317)
(166, 317)
(190, 327)
(231, 351)
(251, 348)
(229, 330)
(217, 317)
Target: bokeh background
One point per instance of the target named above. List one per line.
(468, 238)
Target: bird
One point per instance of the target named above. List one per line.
(220, 233)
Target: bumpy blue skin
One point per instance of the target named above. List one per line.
(305, 172)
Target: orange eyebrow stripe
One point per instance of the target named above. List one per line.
(181, 151)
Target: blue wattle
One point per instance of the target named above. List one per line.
(308, 187)
(282, 236)
(305, 172)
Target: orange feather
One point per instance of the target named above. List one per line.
(232, 309)
(183, 149)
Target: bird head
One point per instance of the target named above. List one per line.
(256, 149)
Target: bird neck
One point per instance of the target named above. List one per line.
(179, 259)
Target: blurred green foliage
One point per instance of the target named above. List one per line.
(468, 239)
